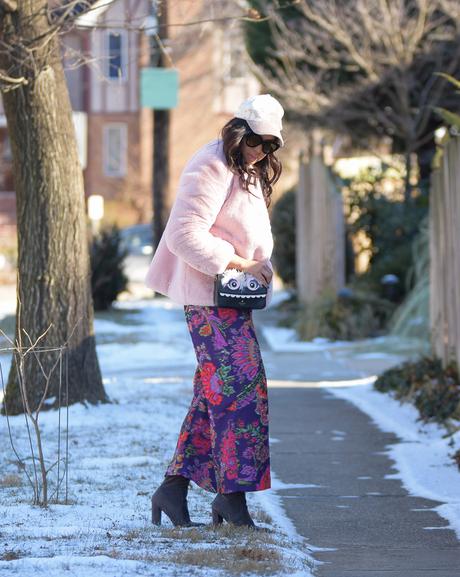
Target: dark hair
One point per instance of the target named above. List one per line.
(268, 170)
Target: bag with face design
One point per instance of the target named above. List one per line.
(240, 290)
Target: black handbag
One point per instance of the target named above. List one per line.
(240, 290)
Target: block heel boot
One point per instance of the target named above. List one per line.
(232, 508)
(171, 499)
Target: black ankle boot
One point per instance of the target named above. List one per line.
(231, 507)
(171, 498)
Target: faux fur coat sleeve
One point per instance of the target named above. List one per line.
(201, 194)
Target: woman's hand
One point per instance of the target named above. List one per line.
(260, 269)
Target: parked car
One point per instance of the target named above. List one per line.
(137, 240)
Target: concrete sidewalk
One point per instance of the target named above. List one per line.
(367, 525)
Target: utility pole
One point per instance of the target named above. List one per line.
(161, 123)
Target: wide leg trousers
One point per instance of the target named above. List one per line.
(223, 442)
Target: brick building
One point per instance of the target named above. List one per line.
(114, 132)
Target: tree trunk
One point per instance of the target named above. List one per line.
(53, 257)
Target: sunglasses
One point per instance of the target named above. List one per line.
(268, 146)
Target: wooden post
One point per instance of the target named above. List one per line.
(320, 242)
(444, 256)
(301, 226)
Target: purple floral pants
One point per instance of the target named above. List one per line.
(223, 442)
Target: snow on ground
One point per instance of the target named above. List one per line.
(7, 300)
(285, 340)
(118, 455)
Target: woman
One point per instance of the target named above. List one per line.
(219, 221)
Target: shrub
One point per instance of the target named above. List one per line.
(412, 317)
(283, 228)
(435, 391)
(389, 223)
(402, 378)
(108, 279)
(347, 316)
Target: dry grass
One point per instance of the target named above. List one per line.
(192, 534)
(255, 535)
(222, 533)
(11, 481)
(68, 537)
(11, 555)
(233, 550)
(133, 535)
(235, 560)
(262, 517)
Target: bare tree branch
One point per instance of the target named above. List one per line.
(362, 63)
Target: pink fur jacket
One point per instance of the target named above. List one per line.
(212, 219)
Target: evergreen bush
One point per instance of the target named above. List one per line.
(434, 390)
(348, 315)
(391, 224)
(108, 279)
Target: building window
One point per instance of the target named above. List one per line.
(116, 55)
(233, 79)
(234, 55)
(237, 67)
(115, 149)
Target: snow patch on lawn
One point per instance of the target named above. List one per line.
(282, 339)
(118, 453)
(390, 348)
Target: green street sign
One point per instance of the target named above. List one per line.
(159, 88)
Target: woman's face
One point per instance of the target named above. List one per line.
(253, 154)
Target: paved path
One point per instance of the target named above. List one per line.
(371, 525)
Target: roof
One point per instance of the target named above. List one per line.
(89, 18)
